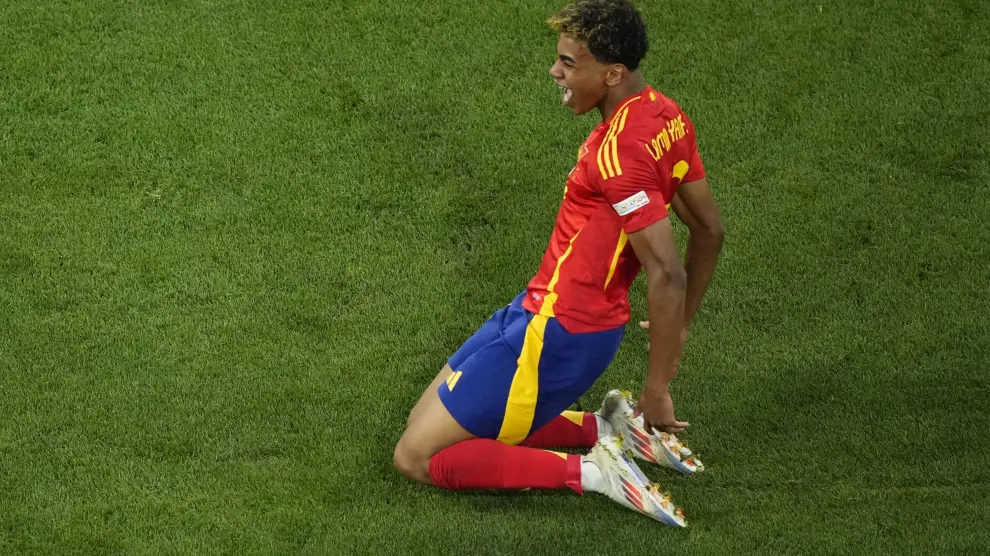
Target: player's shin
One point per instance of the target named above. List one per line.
(482, 464)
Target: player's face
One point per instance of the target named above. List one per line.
(579, 75)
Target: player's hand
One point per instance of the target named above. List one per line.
(657, 410)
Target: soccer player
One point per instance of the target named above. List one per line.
(502, 397)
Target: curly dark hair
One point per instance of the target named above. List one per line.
(613, 30)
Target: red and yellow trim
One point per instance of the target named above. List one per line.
(608, 151)
(576, 417)
(619, 246)
(546, 309)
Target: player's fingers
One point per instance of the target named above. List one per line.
(673, 428)
(644, 324)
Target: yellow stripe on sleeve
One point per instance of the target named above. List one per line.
(604, 164)
(615, 142)
(608, 151)
(614, 148)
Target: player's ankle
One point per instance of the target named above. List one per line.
(604, 427)
(592, 479)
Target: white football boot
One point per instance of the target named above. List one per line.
(661, 448)
(626, 484)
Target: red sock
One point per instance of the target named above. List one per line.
(570, 429)
(488, 464)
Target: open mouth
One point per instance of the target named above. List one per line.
(565, 94)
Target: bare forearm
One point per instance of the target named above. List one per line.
(665, 303)
(701, 259)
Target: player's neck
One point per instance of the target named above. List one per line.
(632, 84)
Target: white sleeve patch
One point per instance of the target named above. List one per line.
(630, 204)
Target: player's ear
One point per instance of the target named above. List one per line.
(614, 74)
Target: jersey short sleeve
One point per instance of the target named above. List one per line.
(632, 186)
(696, 170)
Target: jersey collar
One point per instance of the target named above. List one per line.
(645, 93)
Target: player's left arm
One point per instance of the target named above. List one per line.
(666, 288)
(637, 197)
(695, 205)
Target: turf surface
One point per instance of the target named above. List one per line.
(237, 239)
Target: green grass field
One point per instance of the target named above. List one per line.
(237, 240)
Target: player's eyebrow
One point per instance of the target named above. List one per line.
(566, 58)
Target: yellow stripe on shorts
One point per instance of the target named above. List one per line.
(520, 407)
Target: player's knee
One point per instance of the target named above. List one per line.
(411, 464)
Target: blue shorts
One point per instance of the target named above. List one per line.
(520, 370)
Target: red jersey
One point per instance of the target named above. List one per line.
(627, 172)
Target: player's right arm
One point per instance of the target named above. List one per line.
(695, 205)
(656, 249)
